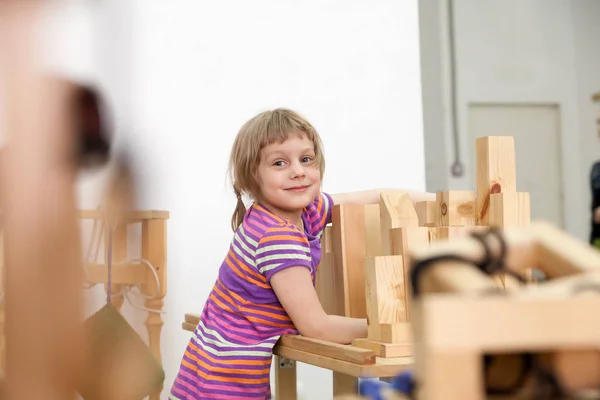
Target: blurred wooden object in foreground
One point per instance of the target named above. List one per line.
(43, 277)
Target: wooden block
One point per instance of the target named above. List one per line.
(399, 332)
(455, 208)
(385, 350)
(396, 211)
(349, 250)
(326, 246)
(427, 213)
(373, 231)
(433, 234)
(329, 349)
(452, 232)
(496, 171)
(325, 284)
(403, 241)
(509, 210)
(384, 290)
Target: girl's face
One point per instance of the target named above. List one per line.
(288, 177)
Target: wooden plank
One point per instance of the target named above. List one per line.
(373, 231)
(285, 378)
(403, 241)
(383, 367)
(396, 211)
(396, 332)
(186, 326)
(336, 351)
(496, 171)
(427, 213)
(384, 286)
(509, 210)
(325, 283)
(537, 321)
(132, 216)
(348, 243)
(385, 350)
(344, 384)
(192, 318)
(455, 208)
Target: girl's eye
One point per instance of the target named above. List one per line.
(278, 163)
(306, 159)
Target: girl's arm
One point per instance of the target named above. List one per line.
(296, 293)
(372, 196)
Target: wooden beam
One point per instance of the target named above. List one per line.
(397, 211)
(496, 171)
(455, 208)
(348, 244)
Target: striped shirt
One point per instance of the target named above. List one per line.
(230, 352)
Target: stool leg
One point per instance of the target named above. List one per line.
(285, 379)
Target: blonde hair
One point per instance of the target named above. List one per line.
(262, 130)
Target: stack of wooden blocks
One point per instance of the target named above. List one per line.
(364, 268)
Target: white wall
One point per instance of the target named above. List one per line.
(187, 74)
(536, 51)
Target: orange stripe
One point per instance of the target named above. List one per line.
(239, 273)
(228, 361)
(320, 203)
(248, 309)
(284, 237)
(252, 272)
(258, 206)
(222, 305)
(248, 317)
(221, 378)
(244, 301)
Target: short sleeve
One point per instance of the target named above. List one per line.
(281, 248)
(319, 212)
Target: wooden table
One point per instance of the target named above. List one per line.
(348, 363)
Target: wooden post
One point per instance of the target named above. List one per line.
(154, 249)
(43, 288)
(496, 171)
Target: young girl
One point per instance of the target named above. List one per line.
(265, 286)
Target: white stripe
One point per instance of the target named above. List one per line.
(242, 233)
(276, 247)
(222, 342)
(240, 254)
(277, 257)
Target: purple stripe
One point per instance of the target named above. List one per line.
(243, 239)
(239, 385)
(239, 375)
(236, 395)
(254, 307)
(260, 217)
(261, 213)
(240, 247)
(225, 364)
(225, 358)
(277, 252)
(270, 319)
(230, 348)
(223, 331)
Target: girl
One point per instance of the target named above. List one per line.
(265, 287)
